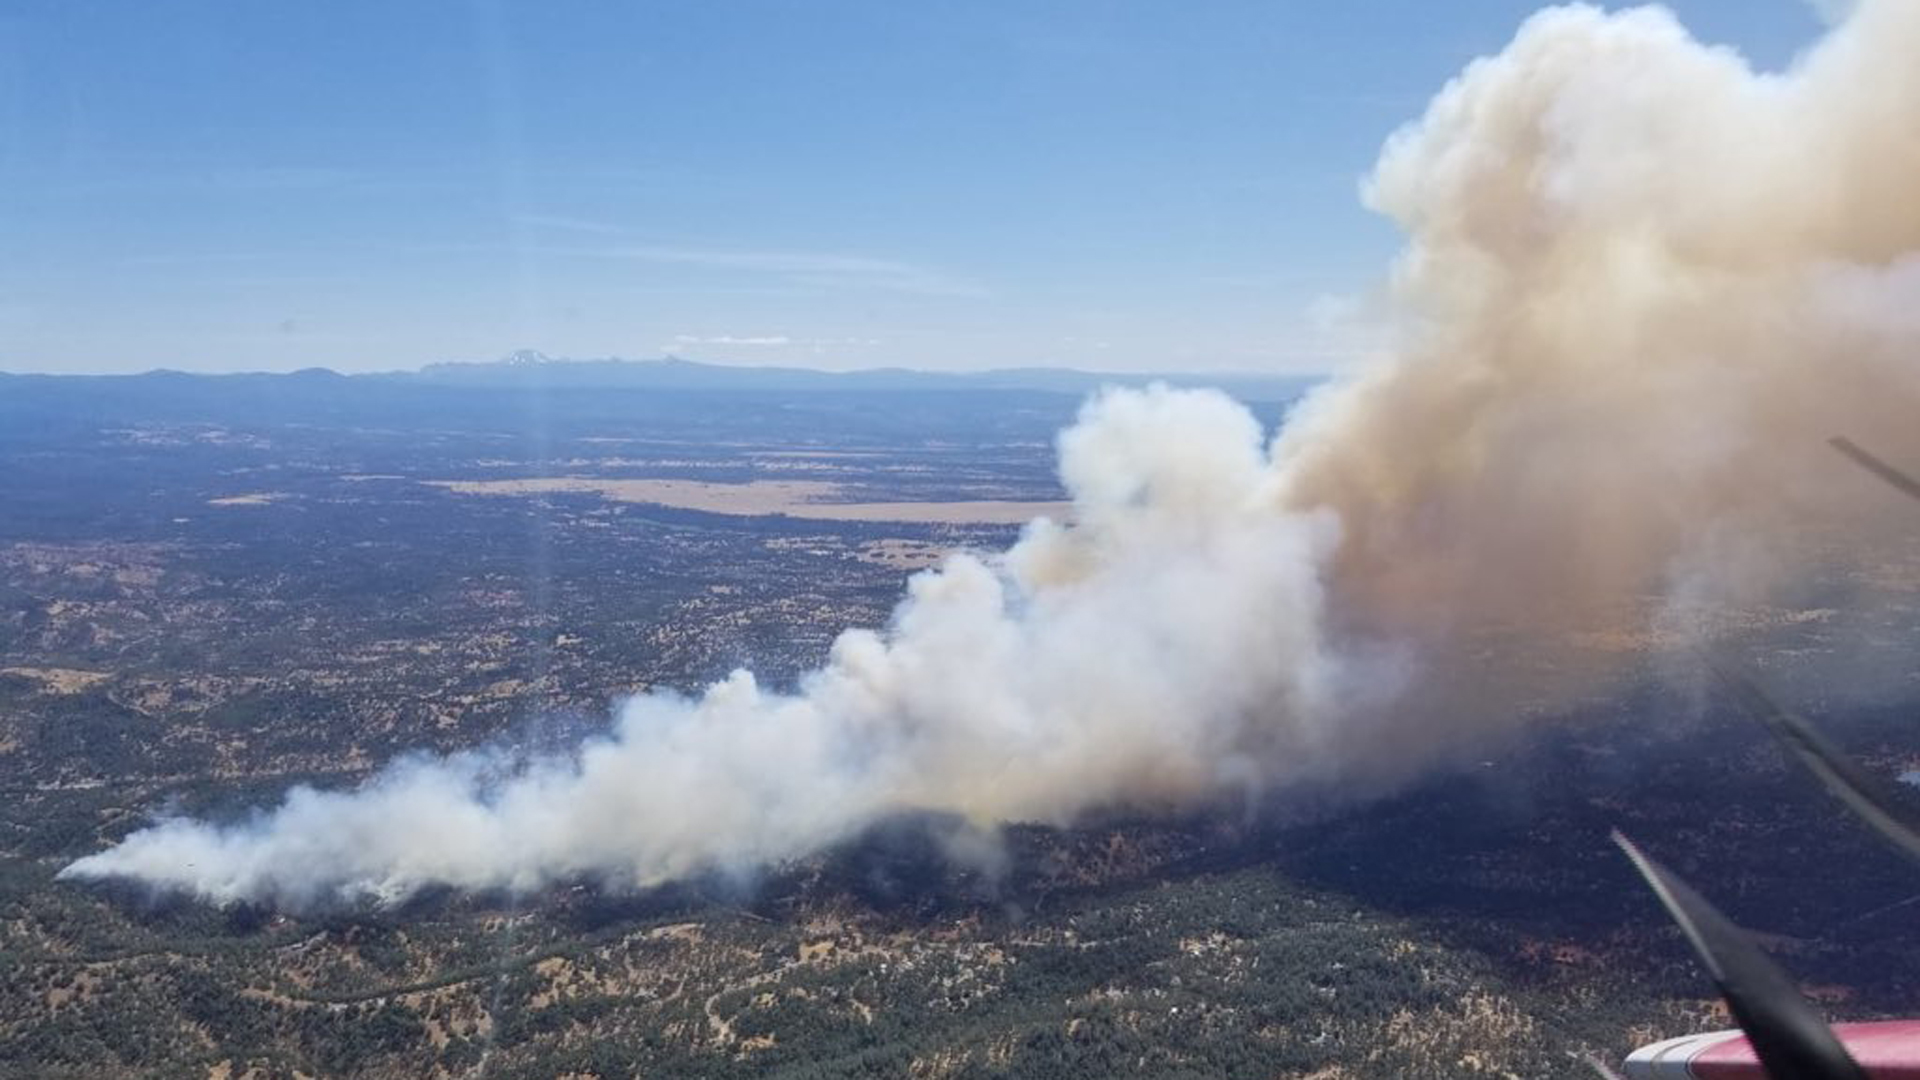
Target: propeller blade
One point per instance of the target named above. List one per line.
(1790, 1039)
(1899, 481)
(1836, 772)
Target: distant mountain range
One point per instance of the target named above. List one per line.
(532, 370)
(527, 368)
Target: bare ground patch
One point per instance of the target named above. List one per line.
(807, 499)
(59, 680)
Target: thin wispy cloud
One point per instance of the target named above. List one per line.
(306, 253)
(824, 270)
(210, 258)
(569, 224)
(286, 178)
(772, 341)
(766, 341)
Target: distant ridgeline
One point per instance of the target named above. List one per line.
(573, 394)
(671, 373)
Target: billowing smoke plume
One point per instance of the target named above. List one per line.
(1643, 283)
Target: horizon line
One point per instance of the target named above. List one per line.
(513, 360)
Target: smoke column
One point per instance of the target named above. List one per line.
(1642, 285)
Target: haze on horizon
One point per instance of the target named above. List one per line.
(1116, 187)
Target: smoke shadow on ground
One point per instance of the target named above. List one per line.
(1509, 857)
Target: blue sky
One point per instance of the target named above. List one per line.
(370, 184)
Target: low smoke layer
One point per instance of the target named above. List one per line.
(1642, 284)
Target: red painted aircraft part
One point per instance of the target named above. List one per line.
(1888, 1050)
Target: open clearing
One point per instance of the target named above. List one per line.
(759, 498)
(59, 680)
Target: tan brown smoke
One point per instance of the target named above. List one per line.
(1643, 285)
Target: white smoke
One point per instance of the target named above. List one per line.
(1642, 284)
(1136, 657)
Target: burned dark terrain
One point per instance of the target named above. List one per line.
(214, 589)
